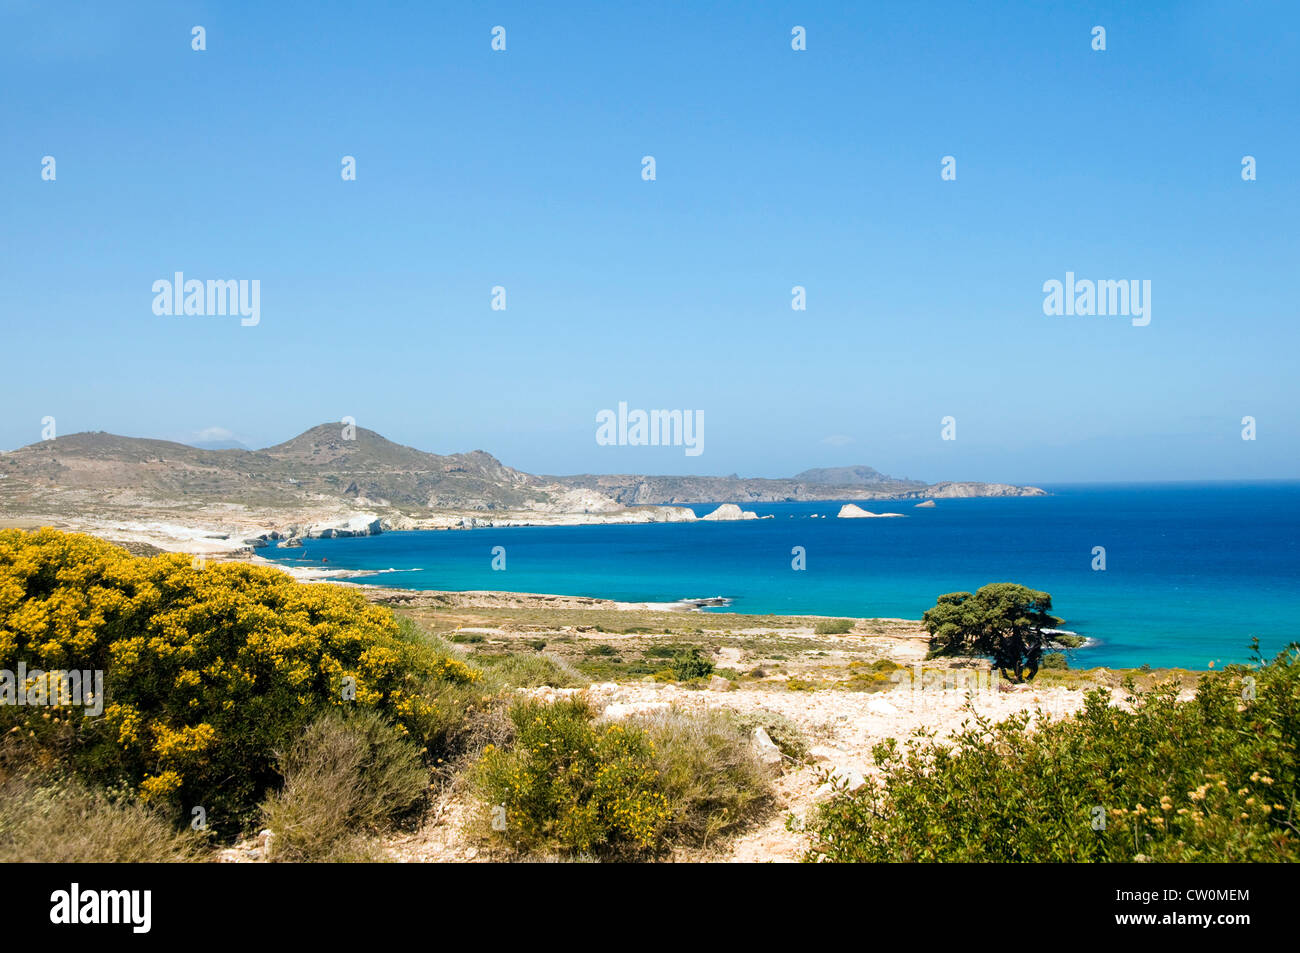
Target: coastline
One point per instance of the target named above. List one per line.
(1128, 620)
(242, 532)
(220, 527)
(228, 543)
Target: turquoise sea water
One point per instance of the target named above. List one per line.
(1192, 571)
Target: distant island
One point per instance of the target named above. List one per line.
(832, 483)
(177, 496)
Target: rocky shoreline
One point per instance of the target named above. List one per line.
(234, 531)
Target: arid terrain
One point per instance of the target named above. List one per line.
(841, 685)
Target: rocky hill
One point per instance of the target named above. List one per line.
(848, 476)
(390, 474)
(318, 463)
(321, 483)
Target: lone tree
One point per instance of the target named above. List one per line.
(1003, 620)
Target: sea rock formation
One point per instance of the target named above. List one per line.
(730, 511)
(851, 511)
(361, 524)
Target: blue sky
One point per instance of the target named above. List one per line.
(775, 168)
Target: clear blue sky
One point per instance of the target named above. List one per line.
(775, 168)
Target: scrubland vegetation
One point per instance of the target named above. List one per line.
(240, 698)
(1214, 779)
(237, 701)
(639, 787)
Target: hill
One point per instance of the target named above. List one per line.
(847, 476)
(320, 482)
(841, 483)
(318, 462)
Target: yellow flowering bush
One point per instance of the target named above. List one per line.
(568, 785)
(208, 671)
(639, 787)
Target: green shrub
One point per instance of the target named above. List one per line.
(570, 786)
(833, 626)
(796, 684)
(877, 676)
(1055, 660)
(532, 671)
(708, 773)
(688, 665)
(344, 778)
(1212, 779)
(663, 651)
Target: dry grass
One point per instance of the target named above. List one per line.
(63, 822)
(709, 774)
(344, 779)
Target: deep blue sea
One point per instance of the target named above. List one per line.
(1193, 571)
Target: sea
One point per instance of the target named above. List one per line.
(1192, 572)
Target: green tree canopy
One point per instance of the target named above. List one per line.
(1004, 621)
